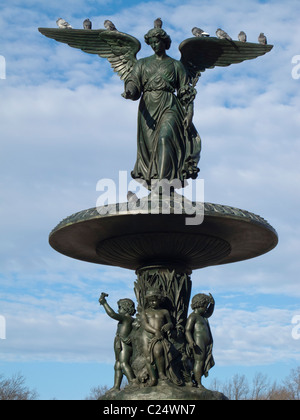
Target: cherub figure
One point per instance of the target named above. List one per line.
(157, 325)
(199, 336)
(122, 344)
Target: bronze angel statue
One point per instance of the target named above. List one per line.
(168, 145)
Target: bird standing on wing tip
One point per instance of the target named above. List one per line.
(62, 24)
(109, 25)
(158, 23)
(242, 36)
(87, 24)
(199, 32)
(262, 39)
(222, 34)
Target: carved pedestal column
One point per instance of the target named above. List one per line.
(172, 287)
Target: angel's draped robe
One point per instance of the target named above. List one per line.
(165, 148)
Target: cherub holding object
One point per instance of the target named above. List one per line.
(157, 325)
(199, 336)
(122, 344)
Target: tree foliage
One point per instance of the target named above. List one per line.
(14, 389)
(239, 388)
(236, 388)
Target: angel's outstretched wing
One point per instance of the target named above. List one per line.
(199, 54)
(119, 48)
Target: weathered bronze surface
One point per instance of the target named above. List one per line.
(163, 352)
(168, 145)
(207, 53)
(163, 349)
(133, 239)
(122, 346)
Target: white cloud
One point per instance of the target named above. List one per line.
(254, 338)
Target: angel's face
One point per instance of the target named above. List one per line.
(157, 45)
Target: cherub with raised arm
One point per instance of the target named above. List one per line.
(199, 336)
(122, 344)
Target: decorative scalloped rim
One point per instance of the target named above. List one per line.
(210, 209)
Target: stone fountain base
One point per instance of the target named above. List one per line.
(163, 391)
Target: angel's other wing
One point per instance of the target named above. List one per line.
(199, 54)
(119, 48)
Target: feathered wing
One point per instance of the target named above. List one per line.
(119, 48)
(199, 54)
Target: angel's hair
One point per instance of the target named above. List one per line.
(158, 33)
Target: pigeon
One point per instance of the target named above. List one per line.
(87, 24)
(62, 24)
(222, 34)
(199, 32)
(262, 39)
(158, 23)
(242, 36)
(109, 25)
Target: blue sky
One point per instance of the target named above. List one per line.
(64, 126)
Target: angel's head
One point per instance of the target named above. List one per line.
(158, 34)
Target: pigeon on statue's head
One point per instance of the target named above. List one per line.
(158, 23)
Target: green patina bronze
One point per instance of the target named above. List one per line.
(163, 352)
(168, 145)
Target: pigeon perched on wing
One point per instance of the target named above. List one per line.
(158, 23)
(262, 39)
(199, 32)
(222, 34)
(242, 36)
(109, 25)
(87, 24)
(62, 24)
